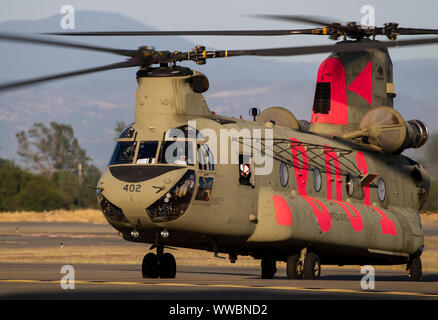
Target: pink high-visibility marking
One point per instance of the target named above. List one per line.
(301, 171)
(301, 174)
(388, 226)
(321, 213)
(332, 156)
(332, 70)
(356, 219)
(363, 84)
(283, 214)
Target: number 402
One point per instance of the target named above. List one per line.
(132, 188)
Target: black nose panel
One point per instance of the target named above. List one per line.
(140, 173)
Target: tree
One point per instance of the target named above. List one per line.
(120, 126)
(51, 149)
(21, 190)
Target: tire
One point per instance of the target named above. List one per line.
(312, 266)
(415, 269)
(268, 268)
(149, 267)
(294, 268)
(167, 266)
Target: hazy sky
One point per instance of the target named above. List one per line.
(232, 14)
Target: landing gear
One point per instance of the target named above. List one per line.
(161, 265)
(167, 266)
(269, 268)
(303, 265)
(414, 269)
(294, 267)
(149, 267)
(312, 266)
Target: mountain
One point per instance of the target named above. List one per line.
(93, 103)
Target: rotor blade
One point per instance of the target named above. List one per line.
(316, 20)
(27, 39)
(125, 64)
(189, 33)
(415, 31)
(339, 47)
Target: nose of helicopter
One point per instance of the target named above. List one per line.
(152, 193)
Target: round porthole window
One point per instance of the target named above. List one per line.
(381, 189)
(284, 174)
(317, 179)
(349, 185)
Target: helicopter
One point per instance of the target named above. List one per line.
(333, 191)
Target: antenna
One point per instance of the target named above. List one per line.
(254, 112)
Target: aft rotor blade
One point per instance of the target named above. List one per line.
(27, 39)
(316, 20)
(16, 84)
(189, 33)
(339, 47)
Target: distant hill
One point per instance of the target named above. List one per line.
(93, 103)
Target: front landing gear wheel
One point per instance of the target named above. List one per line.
(269, 268)
(312, 266)
(167, 266)
(414, 269)
(149, 267)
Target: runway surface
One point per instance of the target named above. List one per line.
(25, 280)
(92, 281)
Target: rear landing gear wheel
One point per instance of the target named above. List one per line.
(167, 266)
(294, 267)
(414, 269)
(312, 266)
(268, 268)
(149, 267)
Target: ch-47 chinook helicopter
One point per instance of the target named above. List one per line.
(339, 191)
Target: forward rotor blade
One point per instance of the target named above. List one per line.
(189, 33)
(16, 84)
(27, 39)
(416, 31)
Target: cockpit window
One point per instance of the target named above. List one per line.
(177, 152)
(147, 152)
(124, 152)
(127, 133)
(184, 132)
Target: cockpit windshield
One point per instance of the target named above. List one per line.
(177, 152)
(147, 152)
(124, 152)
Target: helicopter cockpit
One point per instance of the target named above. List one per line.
(179, 147)
(136, 161)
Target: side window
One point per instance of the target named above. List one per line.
(245, 169)
(123, 153)
(205, 158)
(147, 152)
(204, 189)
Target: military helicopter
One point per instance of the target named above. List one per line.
(337, 191)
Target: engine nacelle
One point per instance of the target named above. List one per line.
(385, 129)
